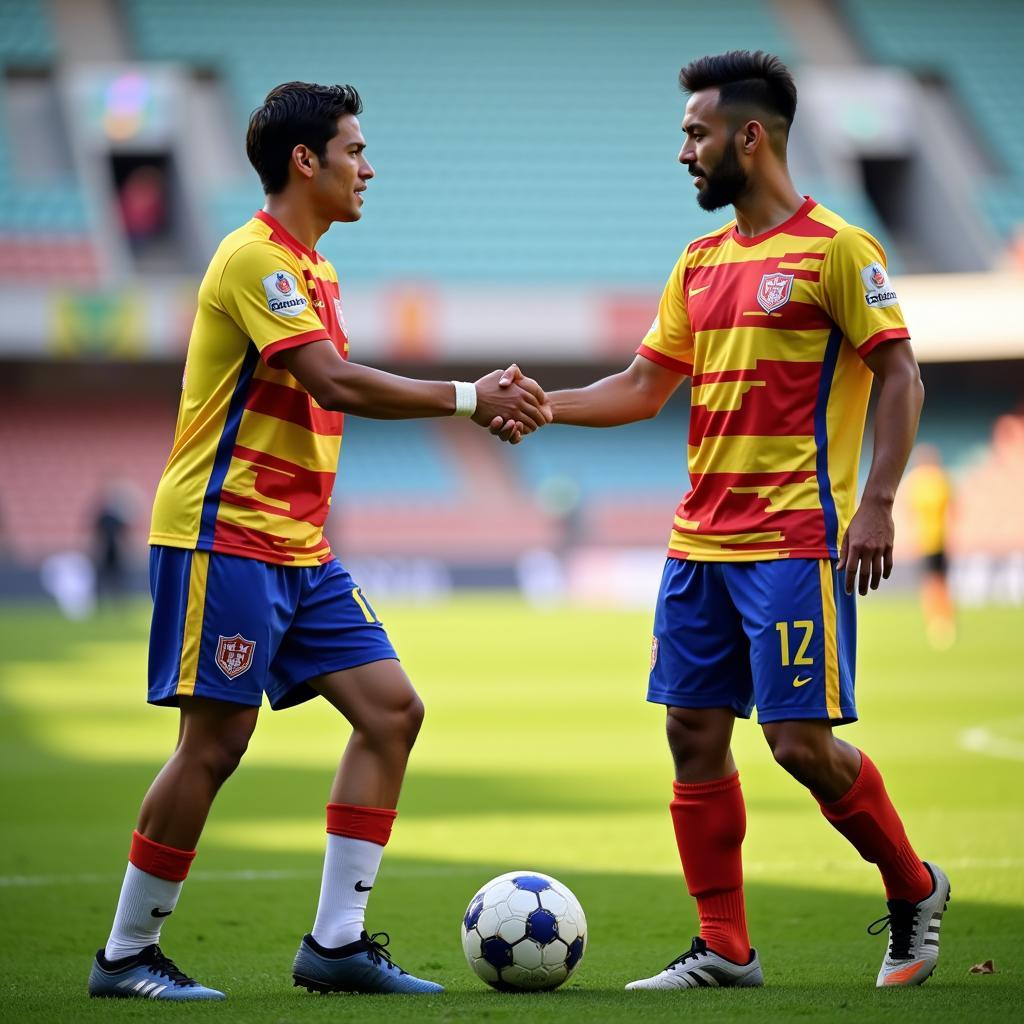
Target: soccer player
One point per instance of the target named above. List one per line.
(782, 319)
(931, 494)
(248, 598)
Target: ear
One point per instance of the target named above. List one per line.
(305, 161)
(754, 136)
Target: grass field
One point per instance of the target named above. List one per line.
(538, 752)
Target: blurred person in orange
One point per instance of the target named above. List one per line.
(930, 493)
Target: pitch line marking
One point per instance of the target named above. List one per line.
(981, 740)
(399, 871)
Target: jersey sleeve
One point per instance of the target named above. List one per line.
(857, 294)
(669, 342)
(263, 290)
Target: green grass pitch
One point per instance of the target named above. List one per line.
(538, 752)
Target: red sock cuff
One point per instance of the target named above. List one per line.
(162, 861)
(685, 789)
(370, 823)
(867, 773)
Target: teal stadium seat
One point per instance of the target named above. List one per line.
(53, 208)
(487, 169)
(976, 48)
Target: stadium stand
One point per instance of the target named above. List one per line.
(955, 41)
(43, 225)
(449, 137)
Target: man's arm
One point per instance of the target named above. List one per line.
(342, 386)
(867, 546)
(637, 393)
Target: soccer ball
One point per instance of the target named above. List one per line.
(524, 931)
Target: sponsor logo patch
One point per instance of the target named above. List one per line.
(774, 291)
(234, 655)
(878, 292)
(283, 295)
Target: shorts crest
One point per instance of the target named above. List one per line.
(234, 654)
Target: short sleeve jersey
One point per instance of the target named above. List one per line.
(254, 458)
(773, 330)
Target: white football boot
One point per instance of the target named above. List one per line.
(913, 934)
(699, 967)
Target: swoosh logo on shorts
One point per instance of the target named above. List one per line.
(801, 682)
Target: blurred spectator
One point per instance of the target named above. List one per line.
(115, 515)
(143, 201)
(931, 494)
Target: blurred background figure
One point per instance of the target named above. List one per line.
(930, 495)
(116, 513)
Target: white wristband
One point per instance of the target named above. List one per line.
(465, 398)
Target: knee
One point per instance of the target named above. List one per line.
(693, 740)
(221, 755)
(801, 759)
(397, 727)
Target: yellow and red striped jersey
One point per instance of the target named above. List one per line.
(773, 330)
(254, 457)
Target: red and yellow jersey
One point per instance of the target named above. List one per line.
(254, 457)
(774, 330)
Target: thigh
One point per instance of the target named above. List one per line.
(217, 623)
(335, 628)
(699, 655)
(369, 694)
(802, 630)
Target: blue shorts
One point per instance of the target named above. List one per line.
(233, 628)
(781, 635)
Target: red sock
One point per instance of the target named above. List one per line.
(162, 861)
(710, 822)
(866, 817)
(370, 823)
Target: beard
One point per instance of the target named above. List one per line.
(724, 185)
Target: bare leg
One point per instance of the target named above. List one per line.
(699, 740)
(212, 738)
(386, 714)
(810, 752)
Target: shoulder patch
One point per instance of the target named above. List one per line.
(283, 295)
(878, 292)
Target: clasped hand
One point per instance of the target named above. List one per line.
(510, 404)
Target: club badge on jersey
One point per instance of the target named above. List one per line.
(774, 291)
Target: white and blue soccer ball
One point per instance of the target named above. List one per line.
(524, 931)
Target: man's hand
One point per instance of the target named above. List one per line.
(867, 546)
(497, 390)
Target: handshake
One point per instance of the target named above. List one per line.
(510, 404)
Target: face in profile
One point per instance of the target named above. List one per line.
(341, 178)
(709, 152)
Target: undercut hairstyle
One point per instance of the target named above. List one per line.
(294, 114)
(744, 79)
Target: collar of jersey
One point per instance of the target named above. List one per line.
(749, 240)
(292, 241)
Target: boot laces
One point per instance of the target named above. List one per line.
(161, 965)
(376, 950)
(901, 922)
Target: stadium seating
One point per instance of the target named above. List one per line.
(956, 41)
(42, 225)
(585, 199)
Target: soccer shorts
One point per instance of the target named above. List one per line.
(778, 634)
(233, 628)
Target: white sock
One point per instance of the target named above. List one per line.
(350, 869)
(143, 907)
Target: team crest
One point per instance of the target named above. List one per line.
(774, 291)
(654, 652)
(234, 654)
(282, 284)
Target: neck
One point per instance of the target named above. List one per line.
(770, 201)
(298, 219)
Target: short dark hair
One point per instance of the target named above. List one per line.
(755, 79)
(293, 114)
